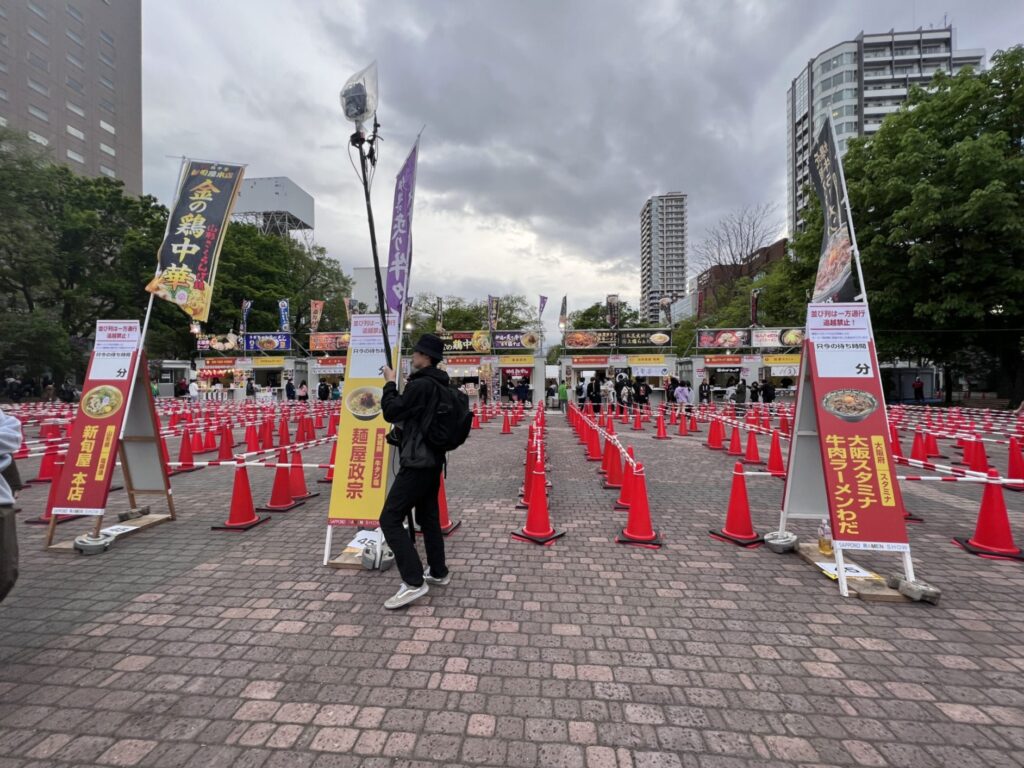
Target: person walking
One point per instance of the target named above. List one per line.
(755, 391)
(419, 476)
(563, 396)
(768, 392)
(10, 441)
(289, 390)
(594, 393)
(250, 387)
(303, 392)
(482, 391)
(918, 387)
(323, 390)
(193, 391)
(741, 392)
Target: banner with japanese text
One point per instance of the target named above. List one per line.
(84, 483)
(316, 312)
(514, 340)
(267, 342)
(466, 341)
(187, 259)
(329, 342)
(860, 475)
(723, 338)
(838, 278)
(363, 456)
(636, 338)
(400, 249)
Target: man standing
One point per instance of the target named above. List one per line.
(918, 387)
(419, 478)
(704, 392)
(563, 396)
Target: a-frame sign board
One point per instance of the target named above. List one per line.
(116, 418)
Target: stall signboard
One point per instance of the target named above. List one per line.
(329, 365)
(598, 361)
(650, 360)
(618, 361)
(516, 361)
(640, 371)
(501, 340)
(219, 362)
(723, 338)
(363, 455)
(328, 342)
(466, 341)
(270, 361)
(635, 338)
(776, 337)
(516, 373)
(224, 342)
(469, 360)
(267, 342)
(84, 484)
(780, 359)
(722, 361)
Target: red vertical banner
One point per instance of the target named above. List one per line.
(84, 483)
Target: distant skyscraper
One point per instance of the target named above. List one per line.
(71, 77)
(858, 83)
(662, 252)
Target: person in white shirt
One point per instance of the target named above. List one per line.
(193, 391)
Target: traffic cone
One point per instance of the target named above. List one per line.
(739, 529)
(227, 444)
(242, 516)
(638, 422)
(917, 449)
(267, 438)
(281, 494)
(283, 435)
(506, 426)
(715, 435)
(694, 426)
(210, 441)
(593, 445)
(297, 479)
(51, 501)
(662, 433)
(673, 417)
(784, 424)
(931, 446)
(735, 443)
(538, 527)
(607, 457)
(185, 455)
(252, 439)
(992, 535)
(1015, 468)
(638, 528)
(447, 526)
(967, 460)
(319, 423)
(682, 431)
(476, 419)
(752, 456)
(531, 461)
(332, 424)
(329, 477)
(894, 441)
(47, 466)
(614, 477)
(626, 494)
(775, 465)
(979, 459)
(197, 442)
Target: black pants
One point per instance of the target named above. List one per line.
(415, 488)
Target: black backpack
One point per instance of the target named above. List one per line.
(450, 421)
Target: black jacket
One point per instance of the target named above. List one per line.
(410, 409)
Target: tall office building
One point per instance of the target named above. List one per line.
(662, 252)
(858, 83)
(71, 78)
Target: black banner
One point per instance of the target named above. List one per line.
(835, 280)
(636, 338)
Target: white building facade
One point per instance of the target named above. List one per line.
(663, 235)
(858, 83)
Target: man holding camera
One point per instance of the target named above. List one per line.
(418, 481)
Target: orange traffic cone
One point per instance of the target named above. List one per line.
(447, 526)
(662, 433)
(185, 456)
(894, 441)
(197, 442)
(332, 424)
(775, 465)
(252, 439)
(506, 425)
(638, 422)
(51, 501)
(593, 445)
(329, 477)
(917, 449)
(538, 527)
(281, 494)
(931, 446)
(227, 444)
(297, 478)
(739, 529)
(784, 424)
(210, 441)
(979, 459)
(267, 436)
(606, 460)
(614, 477)
(626, 494)
(992, 535)
(48, 465)
(715, 435)
(752, 456)
(1015, 469)
(476, 419)
(682, 431)
(283, 435)
(735, 443)
(531, 461)
(694, 426)
(242, 516)
(638, 528)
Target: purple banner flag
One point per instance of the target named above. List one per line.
(400, 250)
(543, 303)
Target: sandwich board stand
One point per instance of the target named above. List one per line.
(840, 460)
(116, 419)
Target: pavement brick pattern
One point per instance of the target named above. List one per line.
(185, 647)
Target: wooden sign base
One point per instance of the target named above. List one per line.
(871, 588)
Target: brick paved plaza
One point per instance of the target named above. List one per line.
(185, 647)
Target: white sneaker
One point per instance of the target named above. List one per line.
(406, 595)
(434, 580)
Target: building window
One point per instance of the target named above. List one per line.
(3, 94)
(72, 155)
(75, 108)
(108, 127)
(38, 36)
(108, 172)
(39, 139)
(3, 66)
(108, 106)
(37, 10)
(75, 132)
(3, 121)
(106, 82)
(74, 85)
(3, 13)
(75, 13)
(74, 61)
(106, 38)
(38, 62)
(106, 59)
(74, 37)
(38, 87)
(107, 149)
(38, 113)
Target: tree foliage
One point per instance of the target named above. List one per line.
(596, 316)
(515, 311)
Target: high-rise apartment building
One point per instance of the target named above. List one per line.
(662, 252)
(858, 83)
(71, 78)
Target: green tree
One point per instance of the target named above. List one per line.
(596, 316)
(938, 207)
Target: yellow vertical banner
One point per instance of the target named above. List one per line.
(362, 457)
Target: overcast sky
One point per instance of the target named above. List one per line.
(548, 122)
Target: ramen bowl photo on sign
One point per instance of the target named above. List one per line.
(364, 403)
(850, 404)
